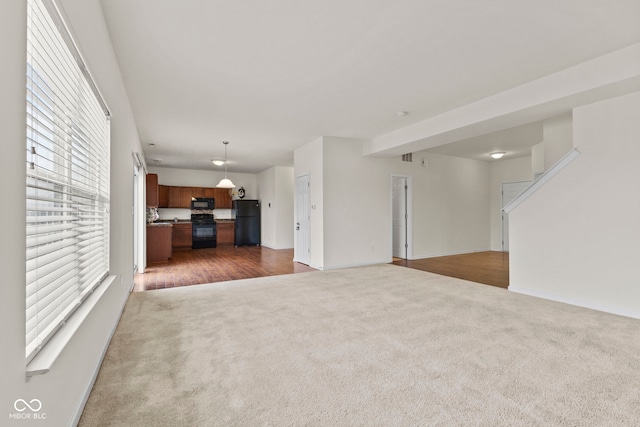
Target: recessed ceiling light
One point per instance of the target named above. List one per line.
(152, 145)
(402, 113)
(497, 154)
(218, 162)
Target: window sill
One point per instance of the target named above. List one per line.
(44, 360)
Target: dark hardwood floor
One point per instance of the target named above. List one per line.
(489, 268)
(197, 266)
(192, 267)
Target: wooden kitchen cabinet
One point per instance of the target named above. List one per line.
(210, 193)
(163, 196)
(152, 190)
(159, 243)
(225, 232)
(185, 197)
(169, 196)
(223, 198)
(182, 235)
(174, 197)
(197, 192)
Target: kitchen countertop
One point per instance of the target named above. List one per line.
(170, 222)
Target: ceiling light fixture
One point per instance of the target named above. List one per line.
(497, 154)
(225, 182)
(402, 113)
(217, 162)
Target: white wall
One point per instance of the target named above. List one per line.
(512, 170)
(537, 159)
(557, 141)
(267, 193)
(63, 389)
(577, 239)
(308, 160)
(356, 206)
(275, 189)
(450, 203)
(284, 207)
(558, 138)
(450, 200)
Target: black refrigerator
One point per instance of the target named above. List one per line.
(247, 213)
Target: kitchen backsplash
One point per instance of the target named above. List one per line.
(170, 213)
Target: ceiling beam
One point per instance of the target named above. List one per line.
(610, 75)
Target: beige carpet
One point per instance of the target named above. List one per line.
(370, 346)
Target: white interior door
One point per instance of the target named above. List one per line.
(303, 220)
(510, 190)
(399, 216)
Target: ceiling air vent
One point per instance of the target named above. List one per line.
(407, 157)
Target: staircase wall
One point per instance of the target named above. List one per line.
(577, 239)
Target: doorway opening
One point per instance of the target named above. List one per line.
(401, 216)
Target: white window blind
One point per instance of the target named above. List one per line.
(67, 182)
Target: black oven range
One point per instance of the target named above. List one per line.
(204, 231)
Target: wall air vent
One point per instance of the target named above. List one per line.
(407, 157)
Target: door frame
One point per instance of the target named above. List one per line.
(139, 214)
(296, 252)
(409, 213)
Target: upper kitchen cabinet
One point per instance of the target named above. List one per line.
(210, 193)
(174, 197)
(169, 196)
(163, 196)
(186, 194)
(223, 198)
(197, 192)
(152, 190)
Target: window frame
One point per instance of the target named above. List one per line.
(67, 178)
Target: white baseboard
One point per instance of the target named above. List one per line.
(338, 267)
(621, 311)
(439, 254)
(275, 248)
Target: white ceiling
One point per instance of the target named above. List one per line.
(270, 76)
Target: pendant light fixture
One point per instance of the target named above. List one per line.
(225, 182)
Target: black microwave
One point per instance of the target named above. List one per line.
(203, 203)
